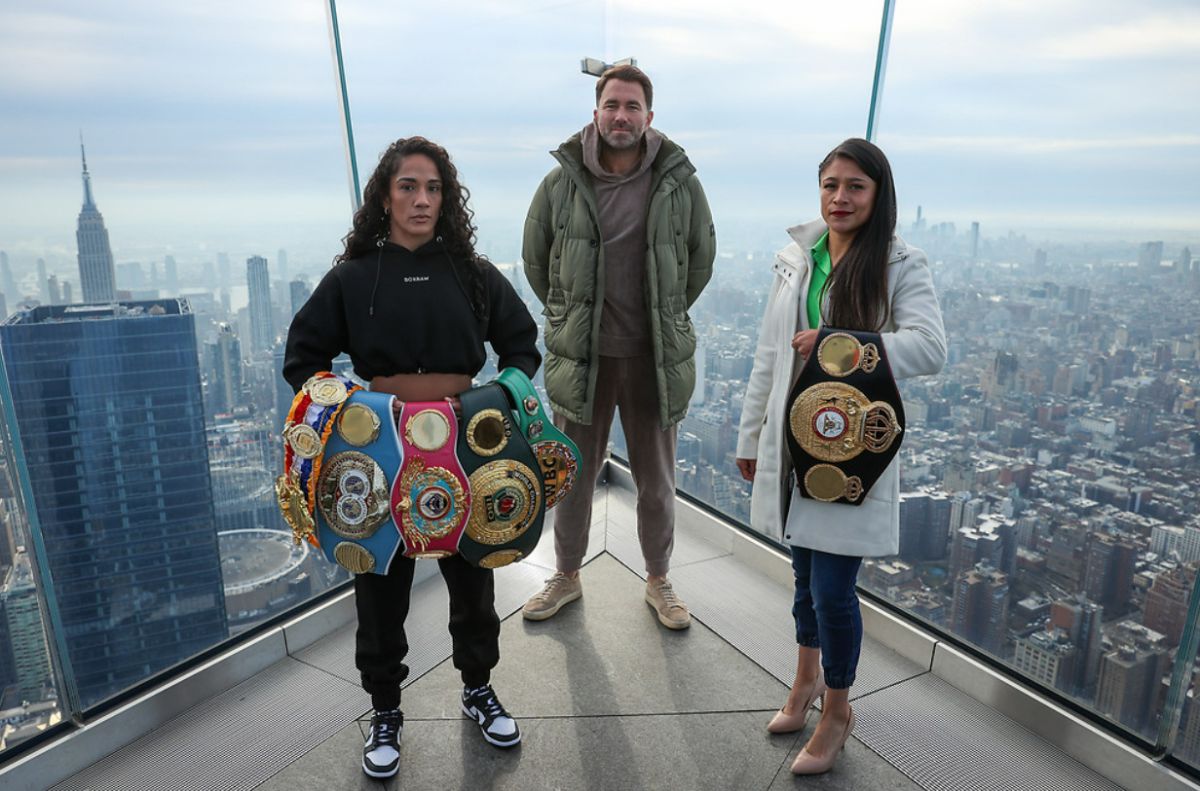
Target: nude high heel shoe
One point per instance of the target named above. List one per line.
(808, 764)
(790, 723)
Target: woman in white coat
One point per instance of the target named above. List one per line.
(847, 270)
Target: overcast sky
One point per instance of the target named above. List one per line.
(215, 126)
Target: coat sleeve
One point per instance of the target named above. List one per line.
(512, 332)
(917, 346)
(317, 333)
(758, 387)
(702, 242)
(538, 239)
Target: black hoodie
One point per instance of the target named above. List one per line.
(396, 311)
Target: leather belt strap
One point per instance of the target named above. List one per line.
(557, 456)
(361, 458)
(507, 496)
(431, 498)
(845, 417)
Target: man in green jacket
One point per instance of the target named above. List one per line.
(619, 242)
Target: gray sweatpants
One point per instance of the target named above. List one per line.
(625, 384)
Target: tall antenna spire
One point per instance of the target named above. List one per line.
(88, 202)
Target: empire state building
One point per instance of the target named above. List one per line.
(95, 254)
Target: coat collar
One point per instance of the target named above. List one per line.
(807, 234)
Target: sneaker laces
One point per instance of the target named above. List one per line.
(491, 706)
(552, 585)
(385, 726)
(668, 594)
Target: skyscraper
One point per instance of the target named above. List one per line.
(299, 291)
(225, 371)
(7, 283)
(97, 280)
(23, 622)
(262, 333)
(107, 429)
(979, 611)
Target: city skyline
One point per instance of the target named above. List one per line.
(238, 155)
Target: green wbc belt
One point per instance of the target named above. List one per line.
(557, 456)
(508, 503)
(845, 417)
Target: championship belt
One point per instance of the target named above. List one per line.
(557, 456)
(353, 482)
(431, 498)
(507, 498)
(845, 417)
(305, 431)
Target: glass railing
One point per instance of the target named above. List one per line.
(1047, 517)
(138, 527)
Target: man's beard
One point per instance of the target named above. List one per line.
(629, 139)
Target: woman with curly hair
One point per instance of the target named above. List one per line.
(412, 303)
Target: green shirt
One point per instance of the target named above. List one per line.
(816, 285)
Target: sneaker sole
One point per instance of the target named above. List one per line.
(541, 615)
(470, 714)
(667, 622)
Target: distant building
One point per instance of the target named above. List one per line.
(225, 372)
(26, 635)
(1130, 677)
(109, 444)
(97, 280)
(262, 332)
(1108, 571)
(300, 291)
(979, 612)
(1167, 602)
(1048, 657)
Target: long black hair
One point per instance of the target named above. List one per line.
(857, 286)
(454, 228)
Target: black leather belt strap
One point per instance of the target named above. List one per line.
(845, 417)
(508, 502)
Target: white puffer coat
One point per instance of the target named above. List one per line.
(915, 342)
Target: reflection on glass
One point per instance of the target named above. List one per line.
(142, 434)
(1047, 516)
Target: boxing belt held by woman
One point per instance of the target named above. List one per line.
(364, 487)
(845, 417)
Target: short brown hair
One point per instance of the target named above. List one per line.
(626, 74)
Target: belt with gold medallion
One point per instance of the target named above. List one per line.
(845, 417)
(507, 496)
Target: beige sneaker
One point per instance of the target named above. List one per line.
(672, 612)
(560, 590)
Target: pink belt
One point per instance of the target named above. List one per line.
(431, 497)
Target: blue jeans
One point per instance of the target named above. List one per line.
(826, 611)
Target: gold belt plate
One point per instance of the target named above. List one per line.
(506, 497)
(352, 494)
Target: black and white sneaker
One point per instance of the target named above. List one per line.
(498, 728)
(381, 753)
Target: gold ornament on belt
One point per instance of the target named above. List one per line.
(359, 425)
(354, 558)
(834, 422)
(828, 483)
(841, 354)
(352, 493)
(304, 439)
(501, 557)
(428, 430)
(437, 508)
(505, 500)
(293, 506)
(488, 432)
(326, 391)
(559, 469)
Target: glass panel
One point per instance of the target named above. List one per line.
(757, 94)
(141, 436)
(1046, 166)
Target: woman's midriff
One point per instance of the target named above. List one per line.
(422, 387)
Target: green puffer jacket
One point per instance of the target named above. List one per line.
(564, 263)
